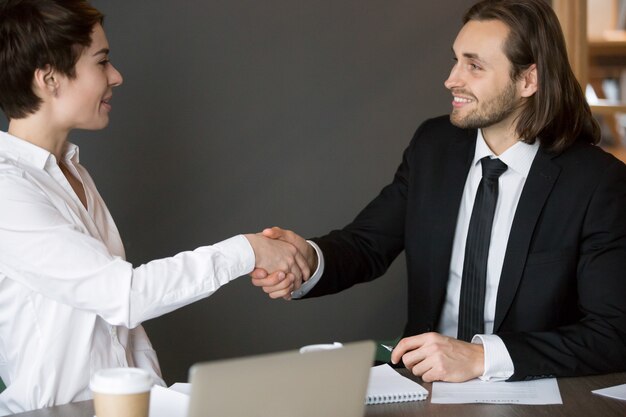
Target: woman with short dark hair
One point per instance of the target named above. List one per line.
(69, 302)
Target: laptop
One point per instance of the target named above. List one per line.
(289, 384)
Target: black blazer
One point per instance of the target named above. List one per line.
(561, 302)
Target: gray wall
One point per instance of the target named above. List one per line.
(241, 114)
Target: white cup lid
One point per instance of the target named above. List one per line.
(121, 381)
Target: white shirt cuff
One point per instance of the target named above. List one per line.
(307, 286)
(498, 363)
(240, 251)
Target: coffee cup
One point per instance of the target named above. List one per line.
(121, 392)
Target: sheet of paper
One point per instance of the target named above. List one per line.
(617, 392)
(540, 391)
(184, 387)
(166, 402)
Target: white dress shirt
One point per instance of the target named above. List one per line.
(69, 302)
(518, 158)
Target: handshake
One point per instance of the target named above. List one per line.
(283, 261)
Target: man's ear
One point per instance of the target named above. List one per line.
(46, 81)
(528, 82)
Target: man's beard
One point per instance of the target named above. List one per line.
(494, 111)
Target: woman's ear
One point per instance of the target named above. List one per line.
(46, 81)
(529, 82)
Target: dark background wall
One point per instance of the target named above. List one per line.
(241, 114)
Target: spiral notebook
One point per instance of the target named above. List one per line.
(388, 386)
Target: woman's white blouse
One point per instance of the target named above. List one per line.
(70, 304)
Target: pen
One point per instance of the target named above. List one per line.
(389, 348)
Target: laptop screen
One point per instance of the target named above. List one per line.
(313, 384)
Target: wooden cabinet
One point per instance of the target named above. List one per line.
(597, 56)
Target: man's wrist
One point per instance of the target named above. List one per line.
(316, 272)
(479, 360)
(498, 365)
(312, 258)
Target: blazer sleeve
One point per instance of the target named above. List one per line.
(597, 342)
(364, 249)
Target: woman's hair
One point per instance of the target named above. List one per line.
(557, 113)
(35, 34)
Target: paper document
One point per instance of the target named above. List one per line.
(168, 402)
(617, 392)
(182, 387)
(540, 391)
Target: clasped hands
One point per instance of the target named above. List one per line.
(285, 260)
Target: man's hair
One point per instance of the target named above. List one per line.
(33, 35)
(557, 113)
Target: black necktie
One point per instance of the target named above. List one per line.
(474, 280)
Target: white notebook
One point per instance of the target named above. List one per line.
(388, 386)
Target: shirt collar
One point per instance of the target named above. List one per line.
(70, 152)
(518, 157)
(28, 153)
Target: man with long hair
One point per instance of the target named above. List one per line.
(513, 221)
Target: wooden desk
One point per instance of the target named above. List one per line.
(576, 393)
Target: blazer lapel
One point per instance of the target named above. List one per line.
(539, 183)
(454, 168)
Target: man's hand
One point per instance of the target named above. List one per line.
(283, 260)
(271, 283)
(439, 358)
(310, 256)
(277, 284)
